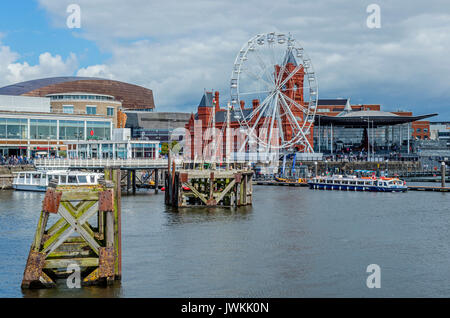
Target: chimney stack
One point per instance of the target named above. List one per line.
(216, 97)
(242, 104)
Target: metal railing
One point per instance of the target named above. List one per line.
(123, 163)
(94, 163)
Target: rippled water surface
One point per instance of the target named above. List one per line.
(293, 242)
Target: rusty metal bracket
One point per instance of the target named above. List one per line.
(107, 256)
(105, 201)
(183, 177)
(33, 269)
(51, 201)
(238, 177)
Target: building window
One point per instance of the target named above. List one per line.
(42, 129)
(71, 130)
(68, 109)
(13, 128)
(98, 130)
(110, 111)
(418, 130)
(91, 110)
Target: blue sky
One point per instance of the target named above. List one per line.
(178, 48)
(27, 29)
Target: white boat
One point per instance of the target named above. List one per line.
(38, 180)
(354, 183)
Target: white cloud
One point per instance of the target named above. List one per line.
(98, 70)
(177, 48)
(12, 71)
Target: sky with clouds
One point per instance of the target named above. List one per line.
(179, 48)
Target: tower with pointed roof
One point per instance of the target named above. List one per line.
(293, 90)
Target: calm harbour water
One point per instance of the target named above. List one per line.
(293, 242)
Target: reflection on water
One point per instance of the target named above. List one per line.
(199, 215)
(293, 242)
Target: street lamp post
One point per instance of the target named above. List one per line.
(48, 147)
(78, 136)
(368, 138)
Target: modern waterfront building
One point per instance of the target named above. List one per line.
(113, 149)
(37, 116)
(440, 130)
(40, 133)
(156, 125)
(24, 103)
(340, 126)
(132, 97)
(121, 146)
(85, 104)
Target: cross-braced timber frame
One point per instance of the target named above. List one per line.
(73, 239)
(191, 187)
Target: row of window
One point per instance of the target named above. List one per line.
(15, 128)
(106, 151)
(90, 110)
(85, 97)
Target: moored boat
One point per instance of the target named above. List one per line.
(38, 180)
(354, 183)
(303, 181)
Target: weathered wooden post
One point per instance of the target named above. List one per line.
(156, 180)
(133, 178)
(443, 174)
(128, 180)
(94, 250)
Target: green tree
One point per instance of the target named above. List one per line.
(165, 147)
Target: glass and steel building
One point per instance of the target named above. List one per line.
(113, 149)
(30, 133)
(156, 126)
(362, 130)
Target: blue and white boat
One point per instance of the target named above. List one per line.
(38, 180)
(354, 183)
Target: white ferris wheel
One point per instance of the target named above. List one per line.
(274, 78)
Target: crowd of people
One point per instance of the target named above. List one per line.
(21, 160)
(15, 160)
(364, 156)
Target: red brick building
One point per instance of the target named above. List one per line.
(293, 92)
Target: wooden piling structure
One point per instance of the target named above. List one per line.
(65, 237)
(443, 174)
(156, 180)
(192, 187)
(133, 181)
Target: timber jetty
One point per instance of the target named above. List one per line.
(193, 186)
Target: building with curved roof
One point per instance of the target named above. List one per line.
(340, 125)
(132, 97)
